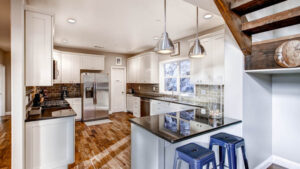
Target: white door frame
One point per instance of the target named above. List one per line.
(110, 86)
(2, 80)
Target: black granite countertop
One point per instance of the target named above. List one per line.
(189, 102)
(178, 126)
(52, 113)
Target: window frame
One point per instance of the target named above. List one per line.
(178, 77)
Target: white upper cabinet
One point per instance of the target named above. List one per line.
(209, 69)
(92, 62)
(72, 63)
(38, 47)
(143, 68)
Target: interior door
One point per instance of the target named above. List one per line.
(2, 90)
(118, 87)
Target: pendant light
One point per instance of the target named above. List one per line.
(197, 50)
(165, 45)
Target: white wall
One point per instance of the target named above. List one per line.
(286, 116)
(257, 117)
(233, 87)
(18, 86)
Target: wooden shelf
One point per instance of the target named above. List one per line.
(275, 71)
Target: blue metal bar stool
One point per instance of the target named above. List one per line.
(195, 155)
(229, 143)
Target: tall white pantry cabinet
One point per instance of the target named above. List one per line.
(38, 48)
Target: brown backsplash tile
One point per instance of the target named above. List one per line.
(54, 92)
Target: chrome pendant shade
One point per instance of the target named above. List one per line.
(165, 44)
(197, 50)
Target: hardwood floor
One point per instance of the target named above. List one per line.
(105, 145)
(5, 142)
(275, 166)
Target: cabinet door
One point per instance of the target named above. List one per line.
(154, 68)
(57, 72)
(129, 70)
(38, 48)
(145, 68)
(66, 68)
(218, 59)
(75, 61)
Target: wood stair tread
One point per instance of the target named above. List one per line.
(243, 7)
(275, 21)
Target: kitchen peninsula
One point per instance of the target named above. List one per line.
(155, 138)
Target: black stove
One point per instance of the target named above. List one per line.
(55, 104)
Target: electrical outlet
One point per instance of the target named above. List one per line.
(203, 111)
(203, 92)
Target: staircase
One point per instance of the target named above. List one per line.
(234, 11)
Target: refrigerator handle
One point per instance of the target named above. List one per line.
(94, 93)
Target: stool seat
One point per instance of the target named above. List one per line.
(227, 138)
(194, 151)
(195, 155)
(229, 143)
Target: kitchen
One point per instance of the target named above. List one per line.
(97, 96)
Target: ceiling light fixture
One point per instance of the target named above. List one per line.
(207, 16)
(71, 20)
(197, 50)
(99, 47)
(65, 41)
(165, 45)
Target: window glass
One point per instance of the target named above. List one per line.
(170, 84)
(171, 69)
(185, 68)
(186, 86)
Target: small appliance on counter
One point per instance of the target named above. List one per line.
(36, 100)
(64, 92)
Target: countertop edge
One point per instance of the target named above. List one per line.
(170, 101)
(50, 118)
(187, 137)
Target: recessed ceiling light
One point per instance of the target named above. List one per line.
(155, 37)
(207, 16)
(65, 41)
(71, 20)
(99, 47)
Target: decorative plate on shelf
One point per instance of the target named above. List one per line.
(288, 54)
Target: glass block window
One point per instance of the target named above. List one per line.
(177, 77)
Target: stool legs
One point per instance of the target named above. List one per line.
(222, 152)
(244, 157)
(232, 157)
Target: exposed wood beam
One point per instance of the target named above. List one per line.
(243, 7)
(234, 22)
(275, 21)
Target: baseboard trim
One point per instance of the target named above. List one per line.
(279, 161)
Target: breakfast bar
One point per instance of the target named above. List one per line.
(155, 138)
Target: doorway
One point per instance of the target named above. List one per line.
(118, 89)
(2, 90)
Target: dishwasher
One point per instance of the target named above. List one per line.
(145, 107)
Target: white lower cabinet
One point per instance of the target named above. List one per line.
(134, 105)
(50, 143)
(75, 104)
(160, 107)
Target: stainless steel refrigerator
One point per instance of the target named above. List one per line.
(95, 97)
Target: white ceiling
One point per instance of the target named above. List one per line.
(121, 26)
(5, 25)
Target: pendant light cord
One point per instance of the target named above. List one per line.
(165, 14)
(197, 21)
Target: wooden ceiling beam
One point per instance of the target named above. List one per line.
(234, 22)
(275, 21)
(242, 7)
